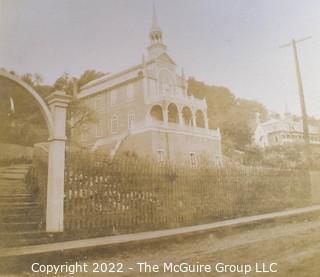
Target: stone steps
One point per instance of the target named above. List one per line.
(24, 203)
(13, 218)
(16, 199)
(25, 238)
(13, 204)
(14, 170)
(13, 189)
(21, 216)
(12, 176)
(19, 226)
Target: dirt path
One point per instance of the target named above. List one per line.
(295, 247)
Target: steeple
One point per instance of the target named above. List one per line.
(155, 30)
(156, 46)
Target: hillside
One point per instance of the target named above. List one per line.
(234, 116)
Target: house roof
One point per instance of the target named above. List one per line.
(111, 80)
(286, 125)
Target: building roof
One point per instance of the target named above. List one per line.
(113, 79)
(286, 125)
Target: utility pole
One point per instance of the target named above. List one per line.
(305, 124)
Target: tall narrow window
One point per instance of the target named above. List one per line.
(99, 103)
(131, 118)
(113, 97)
(160, 155)
(84, 135)
(114, 124)
(99, 128)
(192, 158)
(130, 93)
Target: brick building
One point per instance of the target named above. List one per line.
(145, 109)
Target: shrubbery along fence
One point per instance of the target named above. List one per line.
(131, 195)
(104, 197)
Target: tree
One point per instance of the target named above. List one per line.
(26, 124)
(64, 83)
(88, 76)
(79, 115)
(234, 116)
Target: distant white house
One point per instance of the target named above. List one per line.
(283, 130)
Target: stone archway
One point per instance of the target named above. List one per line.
(54, 113)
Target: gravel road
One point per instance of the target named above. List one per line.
(293, 246)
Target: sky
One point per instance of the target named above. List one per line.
(229, 43)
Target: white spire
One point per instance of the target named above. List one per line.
(156, 47)
(155, 25)
(155, 30)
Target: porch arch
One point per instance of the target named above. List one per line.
(187, 116)
(156, 112)
(173, 113)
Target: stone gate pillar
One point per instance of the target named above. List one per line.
(58, 102)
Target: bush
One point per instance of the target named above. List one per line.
(12, 161)
(282, 156)
(126, 195)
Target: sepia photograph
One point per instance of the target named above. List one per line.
(159, 137)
